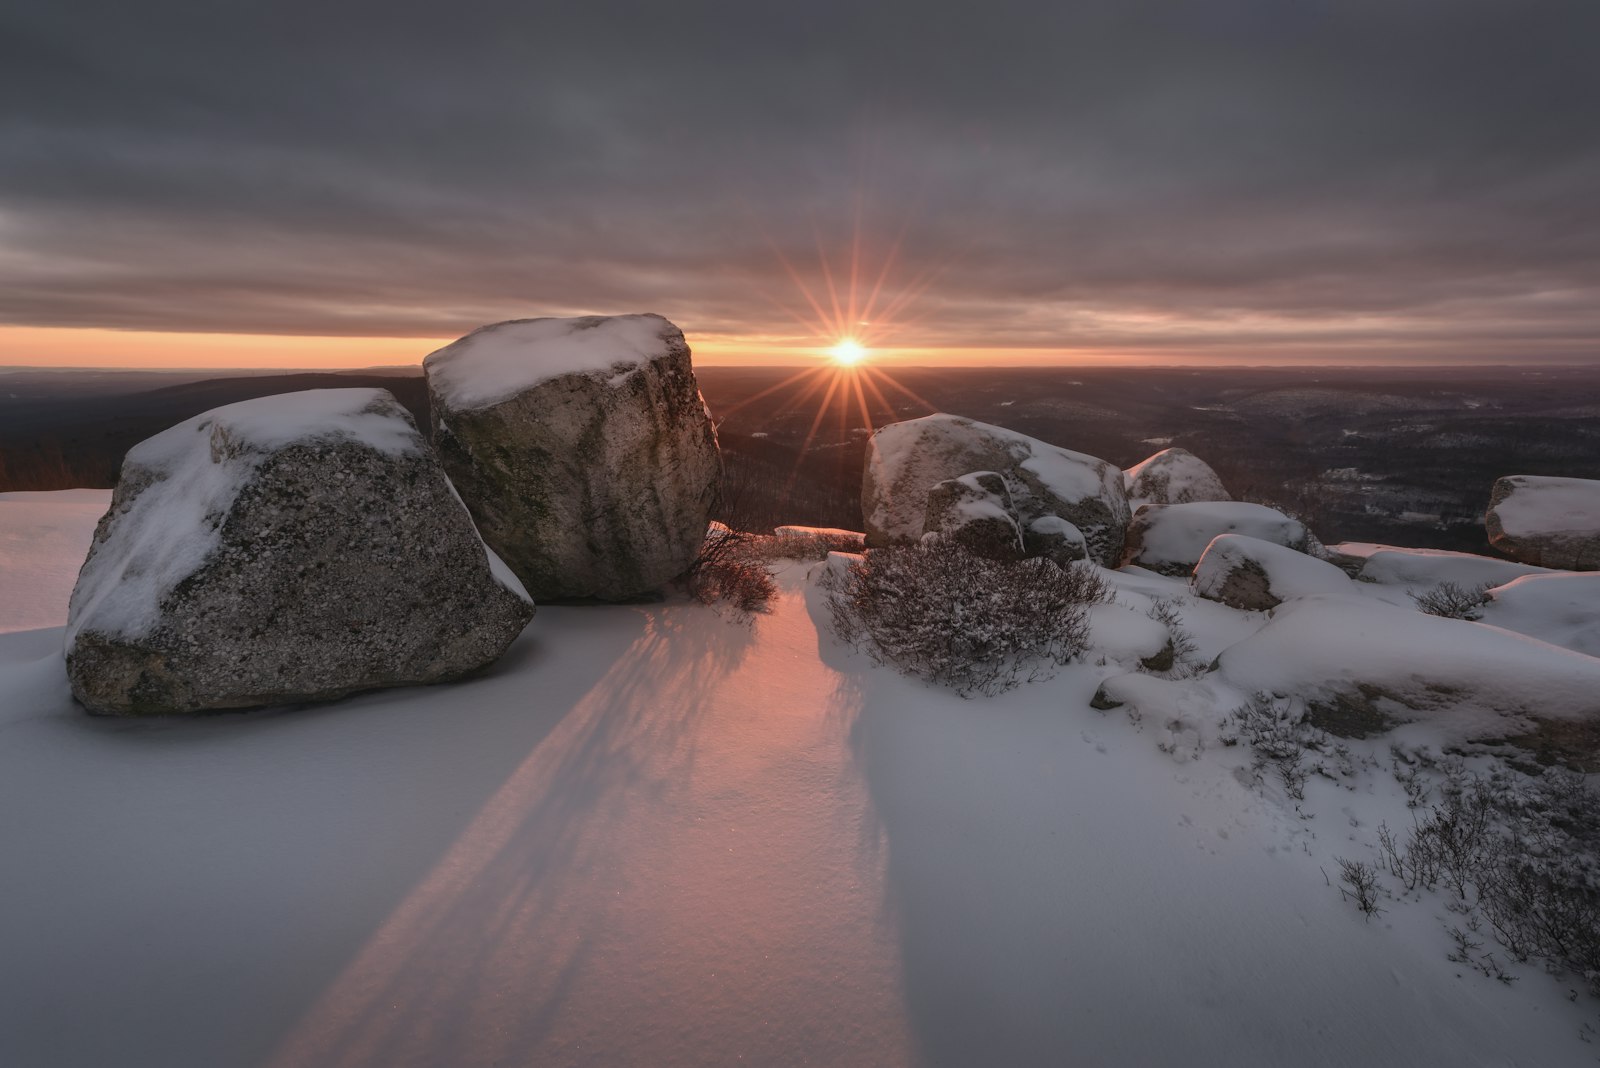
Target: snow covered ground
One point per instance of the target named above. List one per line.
(652, 836)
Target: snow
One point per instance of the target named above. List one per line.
(1561, 608)
(1173, 476)
(1179, 533)
(496, 362)
(833, 534)
(1468, 680)
(1421, 569)
(653, 837)
(1547, 505)
(43, 540)
(1289, 573)
(195, 471)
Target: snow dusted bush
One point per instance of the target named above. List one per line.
(1519, 852)
(975, 625)
(1453, 601)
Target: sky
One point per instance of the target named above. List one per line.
(296, 184)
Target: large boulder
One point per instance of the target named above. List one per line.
(1548, 522)
(974, 511)
(905, 460)
(280, 550)
(1170, 538)
(1254, 575)
(1173, 476)
(582, 447)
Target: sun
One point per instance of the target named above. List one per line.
(848, 352)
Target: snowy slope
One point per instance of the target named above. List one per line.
(655, 837)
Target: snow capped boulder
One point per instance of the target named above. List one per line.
(1173, 476)
(286, 549)
(1423, 568)
(1551, 522)
(1054, 538)
(1254, 575)
(582, 447)
(975, 512)
(905, 460)
(1556, 607)
(1170, 538)
(1361, 667)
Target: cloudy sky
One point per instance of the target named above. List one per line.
(1223, 181)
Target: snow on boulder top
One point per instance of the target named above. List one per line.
(1255, 575)
(1559, 607)
(1396, 566)
(1170, 538)
(1361, 667)
(1552, 522)
(1173, 476)
(496, 362)
(176, 486)
(906, 459)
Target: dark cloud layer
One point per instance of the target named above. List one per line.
(1263, 176)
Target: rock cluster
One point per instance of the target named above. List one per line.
(906, 460)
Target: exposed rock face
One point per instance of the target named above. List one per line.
(974, 511)
(287, 549)
(1255, 575)
(1548, 522)
(905, 460)
(1170, 538)
(1173, 476)
(1054, 538)
(582, 447)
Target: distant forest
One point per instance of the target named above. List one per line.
(1400, 456)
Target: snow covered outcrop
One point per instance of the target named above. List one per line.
(1054, 538)
(905, 460)
(1560, 608)
(1254, 575)
(974, 511)
(1422, 568)
(286, 549)
(835, 536)
(1173, 476)
(1361, 667)
(1170, 538)
(582, 447)
(1551, 522)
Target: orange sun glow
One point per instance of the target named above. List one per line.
(848, 352)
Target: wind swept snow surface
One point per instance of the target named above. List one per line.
(43, 540)
(652, 837)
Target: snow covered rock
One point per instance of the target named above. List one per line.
(1551, 522)
(1557, 607)
(975, 512)
(1170, 538)
(1254, 575)
(838, 538)
(582, 447)
(1421, 568)
(286, 549)
(1362, 667)
(1173, 476)
(1054, 538)
(905, 460)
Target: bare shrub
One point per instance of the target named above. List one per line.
(975, 625)
(1453, 601)
(725, 573)
(1279, 738)
(1360, 883)
(1180, 657)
